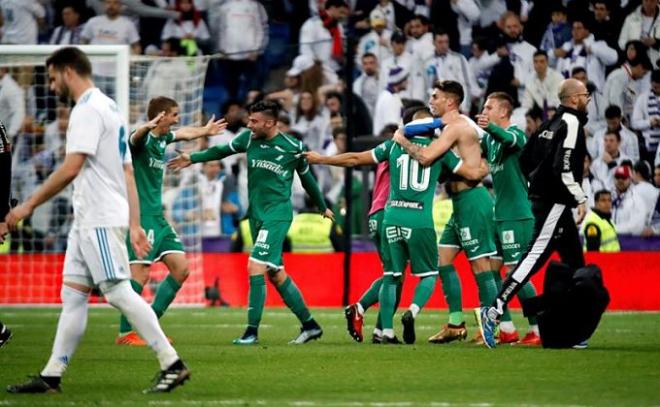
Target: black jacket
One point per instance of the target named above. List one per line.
(553, 159)
(5, 172)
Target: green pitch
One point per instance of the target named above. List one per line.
(621, 366)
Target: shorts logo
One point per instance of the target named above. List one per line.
(395, 233)
(373, 225)
(465, 234)
(508, 237)
(262, 236)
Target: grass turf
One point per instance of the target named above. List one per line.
(620, 367)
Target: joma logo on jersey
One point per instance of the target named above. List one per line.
(465, 234)
(270, 166)
(508, 237)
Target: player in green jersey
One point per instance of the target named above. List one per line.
(148, 143)
(408, 221)
(272, 159)
(514, 221)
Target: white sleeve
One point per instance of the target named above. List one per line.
(640, 118)
(88, 30)
(36, 9)
(132, 32)
(84, 133)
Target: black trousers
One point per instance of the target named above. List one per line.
(554, 230)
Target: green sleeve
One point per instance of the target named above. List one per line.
(170, 137)
(309, 184)
(512, 137)
(238, 144)
(136, 147)
(382, 151)
(451, 160)
(484, 146)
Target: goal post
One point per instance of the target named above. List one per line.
(31, 260)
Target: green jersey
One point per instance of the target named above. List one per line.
(412, 186)
(502, 149)
(271, 165)
(149, 167)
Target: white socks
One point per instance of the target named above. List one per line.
(388, 332)
(535, 329)
(70, 329)
(143, 319)
(507, 326)
(360, 309)
(414, 309)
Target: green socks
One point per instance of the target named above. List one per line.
(387, 299)
(451, 286)
(487, 288)
(423, 291)
(294, 300)
(124, 325)
(399, 289)
(256, 300)
(370, 297)
(165, 294)
(506, 317)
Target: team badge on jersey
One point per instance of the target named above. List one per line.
(508, 237)
(465, 234)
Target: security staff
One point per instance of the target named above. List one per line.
(552, 161)
(5, 186)
(598, 231)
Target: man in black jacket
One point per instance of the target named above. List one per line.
(552, 161)
(5, 183)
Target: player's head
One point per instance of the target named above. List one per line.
(446, 96)
(418, 113)
(112, 8)
(263, 118)
(574, 94)
(65, 66)
(163, 104)
(498, 107)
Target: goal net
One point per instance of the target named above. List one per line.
(31, 259)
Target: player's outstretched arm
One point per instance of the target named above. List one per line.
(211, 128)
(141, 132)
(139, 240)
(341, 160)
(503, 136)
(57, 181)
(183, 160)
(426, 155)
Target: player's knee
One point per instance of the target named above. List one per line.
(73, 296)
(276, 275)
(256, 269)
(116, 291)
(481, 265)
(140, 273)
(181, 275)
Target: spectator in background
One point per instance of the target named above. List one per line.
(321, 36)
(242, 27)
(611, 158)
(631, 212)
(597, 103)
(12, 104)
(389, 105)
(420, 40)
(643, 25)
(20, 21)
(558, 31)
(400, 57)
(293, 82)
(189, 28)
(629, 145)
(598, 231)
(482, 62)
(589, 182)
(308, 121)
(542, 88)
(533, 120)
(214, 200)
(446, 64)
(69, 32)
(168, 76)
(467, 14)
(367, 84)
(55, 132)
(646, 116)
(376, 41)
(656, 176)
(519, 51)
(626, 83)
(585, 51)
(604, 27)
(641, 176)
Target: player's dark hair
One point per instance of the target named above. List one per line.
(337, 131)
(643, 168)
(535, 113)
(160, 104)
(601, 193)
(409, 113)
(268, 107)
(452, 88)
(615, 133)
(613, 112)
(578, 70)
(541, 52)
(505, 100)
(369, 55)
(335, 3)
(70, 57)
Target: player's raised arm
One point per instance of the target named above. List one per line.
(211, 128)
(341, 160)
(426, 155)
(56, 182)
(139, 240)
(238, 144)
(140, 133)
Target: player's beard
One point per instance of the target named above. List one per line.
(64, 95)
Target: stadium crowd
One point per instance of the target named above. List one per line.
(524, 48)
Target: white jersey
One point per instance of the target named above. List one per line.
(97, 129)
(20, 21)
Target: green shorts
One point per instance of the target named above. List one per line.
(162, 237)
(512, 239)
(414, 245)
(268, 238)
(471, 226)
(376, 231)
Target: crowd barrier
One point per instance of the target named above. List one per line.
(633, 279)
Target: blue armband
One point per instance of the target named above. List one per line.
(422, 127)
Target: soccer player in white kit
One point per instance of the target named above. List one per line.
(105, 207)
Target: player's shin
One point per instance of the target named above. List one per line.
(423, 293)
(506, 317)
(70, 329)
(451, 286)
(293, 299)
(387, 300)
(370, 297)
(487, 287)
(256, 300)
(165, 294)
(124, 326)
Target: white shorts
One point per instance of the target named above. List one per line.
(95, 255)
